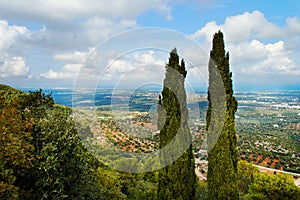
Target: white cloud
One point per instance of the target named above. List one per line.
(249, 26)
(240, 28)
(57, 75)
(9, 35)
(74, 62)
(207, 31)
(72, 68)
(147, 58)
(277, 61)
(135, 67)
(118, 66)
(257, 58)
(245, 51)
(74, 57)
(245, 37)
(15, 66)
(77, 56)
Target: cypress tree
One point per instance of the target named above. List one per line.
(177, 178)
(222, 140)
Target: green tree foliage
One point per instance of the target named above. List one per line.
(15, 147)
(37, 102)
(201, 190)
(138, 186)
(223, 155)
(8, 93)
(275, 187)
(41, 153)
(64, 167)
(246, 173)
(177, 180)
(32, 106)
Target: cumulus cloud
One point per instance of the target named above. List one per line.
(74, 62)
(241, 27)
(10, 34)
(207, 31)
(252, 50)
(249, 25)
(73, 68)
(15, 66)
(74, 57)
(246, 35)
(138, 66)
(57, 75)
(277, 60)
(149, 57)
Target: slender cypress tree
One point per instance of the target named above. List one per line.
(222, 140)
(177, 178)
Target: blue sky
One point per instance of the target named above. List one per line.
(73, 42)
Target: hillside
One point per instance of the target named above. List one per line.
(42, 140)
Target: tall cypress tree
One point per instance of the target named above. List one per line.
(222, 140)
(177, 178)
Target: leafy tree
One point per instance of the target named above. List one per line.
(246, 173)
(110, 183)
(140, 188)
(32, 106)
(41, 153)
(64, 168)
(176, 180)
(8, 93)
(267, 187)
(37, 103)
(15, 143)
(222, 140)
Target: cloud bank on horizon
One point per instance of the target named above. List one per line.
(45, 44)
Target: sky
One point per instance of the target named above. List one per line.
(97, 43)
